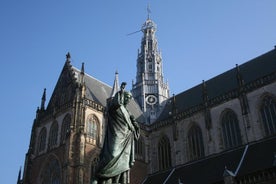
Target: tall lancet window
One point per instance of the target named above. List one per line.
(195, 143)
(164, 153)
(230, 130)
(92, 128)
(42, 140)
(268, 114)
(65, 128)
(53, 137)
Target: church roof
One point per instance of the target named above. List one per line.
(258, 157)
(224, 83)
(99, 92)
(96, 90)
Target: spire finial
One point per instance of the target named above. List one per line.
(82, 68)
(68, 56)
(204, 92)
(82, 74)
(115, 88)
(149, 11)
(239, 76)
(19, 176)
(238, 67)
(43, 99)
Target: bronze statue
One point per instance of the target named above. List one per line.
(117, 155)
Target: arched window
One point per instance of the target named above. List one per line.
(53, 134)
(164, 153)
(65, 129)
(195, 143)
(92, 127)
(139, 148)
(51, 173)
(42, 140)
(268, 114)
(230, 130)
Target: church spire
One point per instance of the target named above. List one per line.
(150, 90)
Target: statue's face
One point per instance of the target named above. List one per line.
(127, 98)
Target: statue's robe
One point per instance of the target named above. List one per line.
(117, 155)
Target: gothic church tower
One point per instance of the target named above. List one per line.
(150, 90)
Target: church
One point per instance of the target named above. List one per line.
(221, 131)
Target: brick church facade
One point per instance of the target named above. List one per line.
(222, 131)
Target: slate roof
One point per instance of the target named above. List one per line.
(259, 156)
(223, 83)
(99, 92)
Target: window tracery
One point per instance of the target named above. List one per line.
(164, 153)
(268, 115)
(53, 136)
(195, 143)
(65, 129)
(92, 127)
(230, 130)
(42, 140)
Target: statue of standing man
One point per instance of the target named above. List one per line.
(117, 155)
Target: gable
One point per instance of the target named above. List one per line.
(64, 90)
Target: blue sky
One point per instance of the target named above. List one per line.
(199, 39)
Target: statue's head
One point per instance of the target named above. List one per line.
(127, 97)
(123, 85)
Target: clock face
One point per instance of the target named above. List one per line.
(151, 99)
